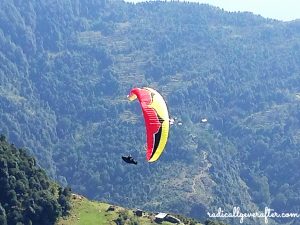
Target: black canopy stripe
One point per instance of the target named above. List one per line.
(157, 135)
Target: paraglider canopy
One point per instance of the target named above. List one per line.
(156, 120)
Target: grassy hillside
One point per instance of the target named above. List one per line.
(86, 212)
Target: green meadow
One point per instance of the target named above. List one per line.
(85, 212)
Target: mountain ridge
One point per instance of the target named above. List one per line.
(68, 66)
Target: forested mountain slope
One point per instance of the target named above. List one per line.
(67, 66)
(27, 196)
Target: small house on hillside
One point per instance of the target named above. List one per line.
(160, 217)
(172, 219)
(138, 212)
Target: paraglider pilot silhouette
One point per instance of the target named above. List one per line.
(129, 159)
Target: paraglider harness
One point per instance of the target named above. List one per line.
(129, 159)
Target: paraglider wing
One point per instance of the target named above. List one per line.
(156, 120)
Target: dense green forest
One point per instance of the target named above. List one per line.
(27, 196)
(67, 66)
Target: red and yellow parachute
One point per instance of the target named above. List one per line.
(156, 120)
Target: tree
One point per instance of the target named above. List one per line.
(3, 219)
